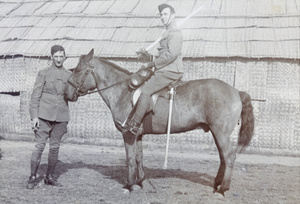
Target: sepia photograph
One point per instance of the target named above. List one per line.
(150, 101)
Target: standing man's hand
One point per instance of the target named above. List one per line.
(35, 124)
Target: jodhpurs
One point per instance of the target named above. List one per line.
(52, 130)
(158, 81)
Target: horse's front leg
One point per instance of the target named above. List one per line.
(139, 161)
(130, 147)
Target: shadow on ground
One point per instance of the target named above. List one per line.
(119, 173)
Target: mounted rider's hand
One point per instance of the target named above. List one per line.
(149, 66)
(143, 55)
(35, 124)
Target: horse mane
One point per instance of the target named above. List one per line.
(115, 66)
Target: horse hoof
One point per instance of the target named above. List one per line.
(126, 191)
(128, 187)
(140, 182)
(220, 191)
(136, 188)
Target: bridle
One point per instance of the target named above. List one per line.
(90, 70)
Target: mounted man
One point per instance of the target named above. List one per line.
(166, 67)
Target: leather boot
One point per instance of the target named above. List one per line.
(32, 179)
(31, 183)
(133, 127)
(134, 124)
(50, 180)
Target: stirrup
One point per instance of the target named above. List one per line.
(133, 127)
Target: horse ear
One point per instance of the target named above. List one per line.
(89, 56)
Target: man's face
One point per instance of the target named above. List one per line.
(166, 17)
(58, 58)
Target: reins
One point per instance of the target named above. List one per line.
(103, 89)
(91, 71)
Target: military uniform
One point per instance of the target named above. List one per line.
(169, 68)
(168, 63)
(48, 104)
(47, 100)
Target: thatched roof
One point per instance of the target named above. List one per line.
(222, 28)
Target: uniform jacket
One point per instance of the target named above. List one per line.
(170, 57)
(47, 99)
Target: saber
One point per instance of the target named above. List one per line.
(169, 126)
(179, 24)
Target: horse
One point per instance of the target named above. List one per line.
(210, 104)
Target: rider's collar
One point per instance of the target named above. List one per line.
(171, 25)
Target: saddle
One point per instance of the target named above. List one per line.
(165, 93)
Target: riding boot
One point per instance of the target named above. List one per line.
(32, 179)
(50, 180)
(52, 160)
(134, 124)
(133, 127)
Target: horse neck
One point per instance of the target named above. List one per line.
(107, 74)
(117, 95)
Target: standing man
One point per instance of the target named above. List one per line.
(167, 66)
(49, 114)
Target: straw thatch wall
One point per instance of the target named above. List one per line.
(273, 85)
(252, 45)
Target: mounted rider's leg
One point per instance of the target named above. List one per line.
(158, 81)
(143, 104)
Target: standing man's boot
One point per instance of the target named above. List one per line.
(32, 179)
(52, 160)
(50, 180)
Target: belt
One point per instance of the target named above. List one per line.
(53, 95)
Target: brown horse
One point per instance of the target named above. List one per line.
(209, 104)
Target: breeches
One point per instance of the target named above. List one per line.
(52, 130)
(160, 80)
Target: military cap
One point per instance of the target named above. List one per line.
(56, 48)
(163, 6)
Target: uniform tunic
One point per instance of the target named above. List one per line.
(47, 100)
(169, 61)
(170, 57)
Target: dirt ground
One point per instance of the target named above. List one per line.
(96, 174)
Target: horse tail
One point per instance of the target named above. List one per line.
(247, 126)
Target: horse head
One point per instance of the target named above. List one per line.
(82, 79)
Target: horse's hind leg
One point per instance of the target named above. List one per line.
(227, 158)
(139, 161)
(220, 174)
